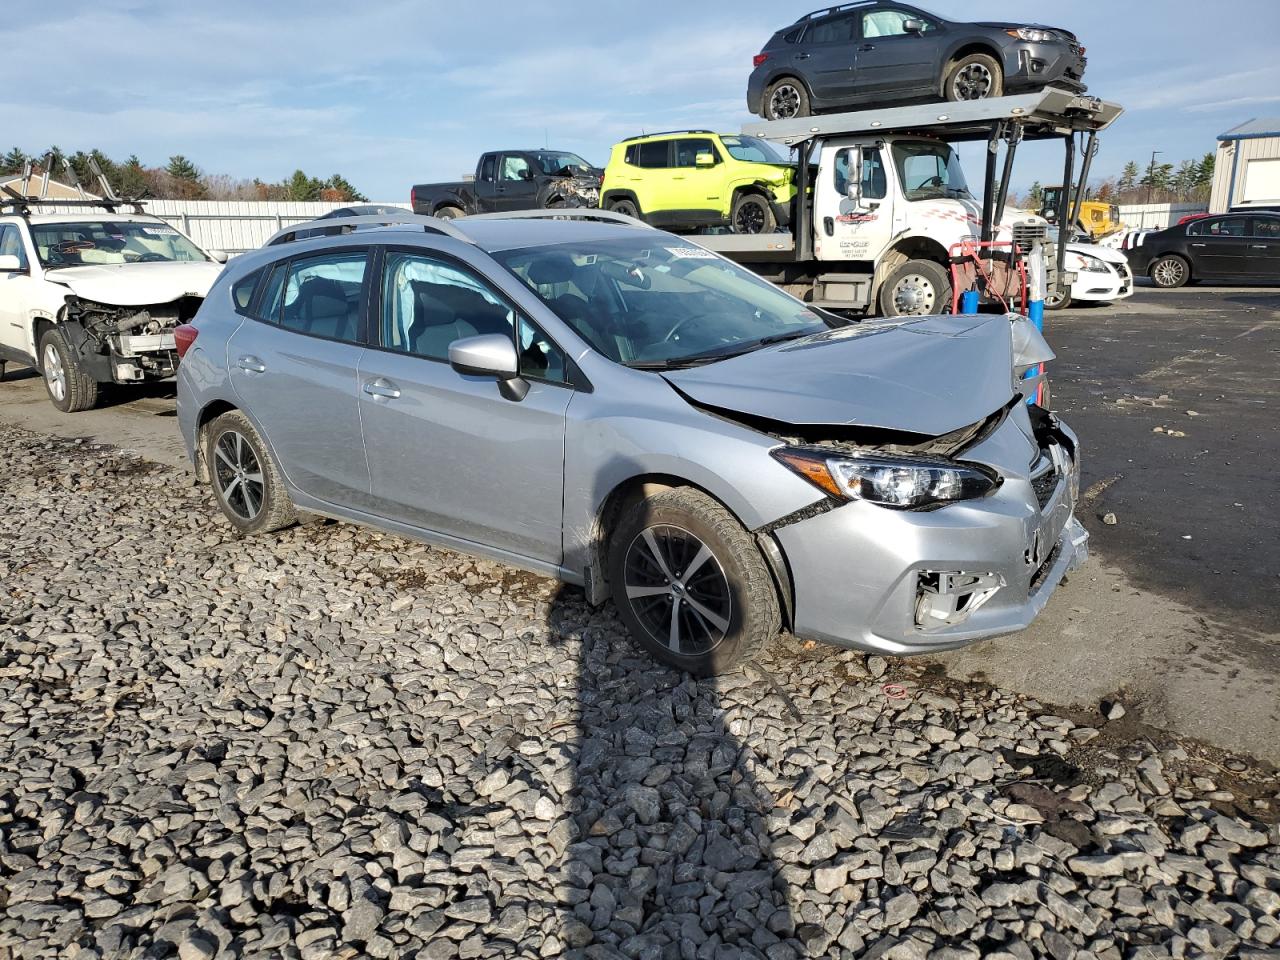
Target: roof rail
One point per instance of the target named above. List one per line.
(22, 205)
(827, 11)
(336, 225)
(564, 213)
(665, 133)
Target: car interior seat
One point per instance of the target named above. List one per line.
(323, 310)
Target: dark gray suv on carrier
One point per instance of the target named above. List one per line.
(878, 51)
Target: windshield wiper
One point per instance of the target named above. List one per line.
(696, 359)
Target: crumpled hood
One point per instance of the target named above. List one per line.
(137, 284)
(923, 375)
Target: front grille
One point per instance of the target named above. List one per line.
(1044, 485)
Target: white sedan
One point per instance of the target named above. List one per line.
(1101, 276)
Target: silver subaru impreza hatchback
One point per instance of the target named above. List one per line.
(588, 398)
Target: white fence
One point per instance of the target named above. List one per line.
(1156, 216)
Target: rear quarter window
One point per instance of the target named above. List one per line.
(243, 289)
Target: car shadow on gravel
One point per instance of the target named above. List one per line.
(669, 850)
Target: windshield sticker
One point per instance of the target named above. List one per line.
(159, 231)
(690, 253)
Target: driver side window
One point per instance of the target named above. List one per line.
(889, 23)
(515, 168)
(875, 185)
(11, 244)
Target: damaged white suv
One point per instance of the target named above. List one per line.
(92, 296)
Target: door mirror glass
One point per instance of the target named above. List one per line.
(219, 256)
(853, 187)
(705, 160)
(490, 355)
(913, 25)
(9, 263)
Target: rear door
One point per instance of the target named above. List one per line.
(826, 57)
(890, 59)
(1264, 248)
(1219, 246)
(652, 176)
(448, 452)
(517, 189)
(295, 370)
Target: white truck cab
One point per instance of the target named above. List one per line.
(883, 200)
(90, 294)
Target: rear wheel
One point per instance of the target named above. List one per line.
(1170, 271)
(1, 369)
(625, 207)
(690, 584)
(916, 289)
(449, 213)
(975, 77)
(245, 481)
(786, 99)
(70, 388)
(752, 213)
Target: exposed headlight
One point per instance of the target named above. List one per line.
(898, 482)
(1088, 264)
(1032, 35)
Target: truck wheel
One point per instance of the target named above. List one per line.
(975, 77)
(786, 99)
(70, 388)
(449, 213)
(245, 481)
(690, 584)
(625, 207)
(752, 213)
(1, 369)
(1169, 271)
(918, 288)
(1060, 299)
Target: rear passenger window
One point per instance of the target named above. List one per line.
(488, 168)
(835, 30)
(427, 304)
(652, 154)
(242, 291)
(322, 296)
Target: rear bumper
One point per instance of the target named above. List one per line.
(866, 577)
(756, 86)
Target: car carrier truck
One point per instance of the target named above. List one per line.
(882, 205)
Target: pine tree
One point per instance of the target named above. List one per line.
(13, 161)
(185, 177)
(348, 193)
(1184, 181)
(1035, 196)
(302, 187)
(1129, 176)
(132, 179)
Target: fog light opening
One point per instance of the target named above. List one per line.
(948, 598)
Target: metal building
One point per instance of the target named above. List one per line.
(1247, 170)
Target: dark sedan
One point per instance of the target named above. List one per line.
(881, 51)
(1229, 246)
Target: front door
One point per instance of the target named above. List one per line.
(447, 452)
(486, 186)
(296, 371)
(694, 187)
(848, 229)
(1264, 248)
(892, 60)
(1219, 246)
(516, 187)
(826, 57)
(17, 298)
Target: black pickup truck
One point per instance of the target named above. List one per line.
(513, 180)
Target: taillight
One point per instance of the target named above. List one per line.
(413, 198)
(184, 335)
(758, 59)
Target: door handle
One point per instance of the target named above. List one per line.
(867, 46)
(829, 225)
(803, 56)
(383, 388)
(1197, 244)
(251, 365)
(1259, 246)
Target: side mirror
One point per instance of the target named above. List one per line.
(705, 159)
(525, 174)
(220, 256)
(913, 25)
(9, 263)
(853, 189)
(490, 355)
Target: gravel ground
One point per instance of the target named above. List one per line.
(335, 743)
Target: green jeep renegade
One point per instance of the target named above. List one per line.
(695, 178)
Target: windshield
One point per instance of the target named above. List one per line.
(752, 150)
(553, 162)
(658, 301)
(928, 170)
(109, 242)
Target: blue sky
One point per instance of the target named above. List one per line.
(392, 93)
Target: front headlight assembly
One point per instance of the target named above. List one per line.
(1032, 35)
(1084, 263)
(901, 483)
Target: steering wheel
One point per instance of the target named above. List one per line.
(148, 258)
(681, 323)
(933, 182)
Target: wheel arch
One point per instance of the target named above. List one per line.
(913, 247)
(620, 194)
(961, 50)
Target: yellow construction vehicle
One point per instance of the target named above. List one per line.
(1098, 218)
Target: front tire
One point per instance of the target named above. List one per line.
(70, 388)
(244, 478)
(1169, 271)
(975, 77)
(752, 214)
(786, 99)
(1059, 300)
(918, 288)
(690, 584)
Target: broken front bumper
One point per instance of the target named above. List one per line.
(906, 582)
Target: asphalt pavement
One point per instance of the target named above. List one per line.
(1175, 395)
